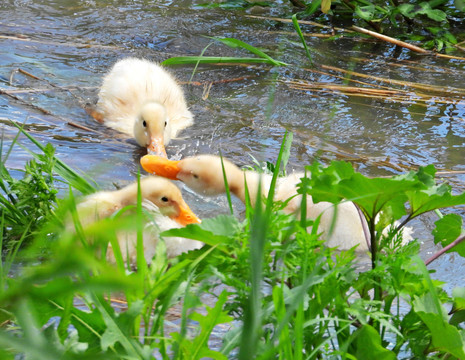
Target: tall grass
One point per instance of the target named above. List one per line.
(290, 297)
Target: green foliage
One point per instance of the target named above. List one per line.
(293, 297)
(402, 20)
(27, 204)
(233, 43)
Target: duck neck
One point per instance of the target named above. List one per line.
(127, 195)
(240, 179)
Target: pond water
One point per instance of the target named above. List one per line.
(63, 48)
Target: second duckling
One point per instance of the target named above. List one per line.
(161, 199)
(140, 98)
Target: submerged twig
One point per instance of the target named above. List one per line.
(68, 44)
(305, 22)
(222, 81)
(54, 86)
(404, 44)
(443, 250)
(391, 40)
(432, 88)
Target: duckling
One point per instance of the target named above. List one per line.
(161, 199)
(204, 175)
(140, 98)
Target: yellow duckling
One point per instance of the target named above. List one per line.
(140, 98)
(167, 209)
(204, 174)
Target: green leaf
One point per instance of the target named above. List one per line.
(459, 298)
(115, 332)
(207, 322)
(369, 347)
(434, 14)
(76, 180)
(235, 43)
(367, 12)
(302, 39)
(445, 337)
(181, 60)
(447, 230)
(424, 8)
(407, 10)
(225, 225)
(325, 6)
(198, 348)
(213, 231)
(460, 5)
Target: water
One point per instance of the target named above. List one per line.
(69, 45)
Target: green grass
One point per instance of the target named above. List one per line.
(291, 297)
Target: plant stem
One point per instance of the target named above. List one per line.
(443, 250)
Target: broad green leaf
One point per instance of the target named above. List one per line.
(447, 230)
(215, 231)
(225, 225)
(368, 342)
(424, 8)
(407, 10)
(433, 14)
(445, 337)
(367, 12)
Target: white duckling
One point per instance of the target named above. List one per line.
(140, 98)
(167, 209)
(204, 174)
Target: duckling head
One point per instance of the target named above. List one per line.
(167, 197)
(202, 173)
(152, 128)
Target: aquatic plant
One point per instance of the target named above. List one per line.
(432, 24)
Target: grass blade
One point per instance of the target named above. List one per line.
(299, 32)
(235, 43)
(183, 60)
(66, 172)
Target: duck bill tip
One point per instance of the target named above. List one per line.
(160, 166)
(157, 147)
(186, 216)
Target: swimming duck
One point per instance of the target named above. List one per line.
(140, 98)
(204, 175)
(165, 205)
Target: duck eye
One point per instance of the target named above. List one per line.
(166, 123)
(164, 199)
(144, 123)
(195, 176)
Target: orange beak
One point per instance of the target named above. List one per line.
(186, 216)
(160, 166)
(157, 147)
